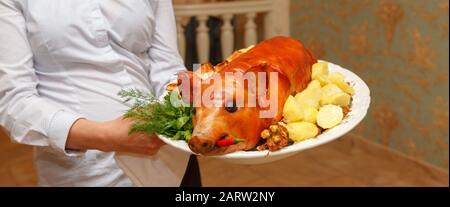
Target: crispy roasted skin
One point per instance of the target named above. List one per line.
(284, 55)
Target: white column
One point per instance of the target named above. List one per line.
(250, 30)
(202, 39)
(227, 36)
(181, 38)
(277, 21)
(269, 29)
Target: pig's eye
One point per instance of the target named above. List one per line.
(231, 107)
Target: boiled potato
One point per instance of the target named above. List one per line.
(339, 80)
(341, 99)
(328, 91)
(292, 110)
(299, 131)
(319, 69)
(320, 72)
(336, 76)
(310, 114)
(331, 89)
(310, 97)
(329, 116)
(323, 80)
(346, 87)
(314, 85)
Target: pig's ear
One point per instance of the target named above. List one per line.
(185, 84)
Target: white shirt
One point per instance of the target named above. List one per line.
(65, 60)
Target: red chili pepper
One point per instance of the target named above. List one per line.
(228, 141)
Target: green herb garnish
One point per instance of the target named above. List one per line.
(170, 117)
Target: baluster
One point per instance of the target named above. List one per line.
(250, 29)
(202, 39)
(268, 25)
(181, 38)
(227, 36)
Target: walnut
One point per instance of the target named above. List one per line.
(265, 134)
(276, 137)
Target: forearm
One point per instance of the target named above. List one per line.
(85, 135)
(110, 136)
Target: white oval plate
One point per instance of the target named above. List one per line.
(359, 108)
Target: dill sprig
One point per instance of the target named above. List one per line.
(170, 117)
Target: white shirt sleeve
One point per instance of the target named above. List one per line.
(29, 118)
(165, 60)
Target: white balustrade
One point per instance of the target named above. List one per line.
(269, 20)
(250, 30)
(227, 35)
(275, 14)
(202, 39)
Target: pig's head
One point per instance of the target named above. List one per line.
(229, 106)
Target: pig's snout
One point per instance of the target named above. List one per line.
(201, 146)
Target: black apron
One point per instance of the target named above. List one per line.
(192, 176)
